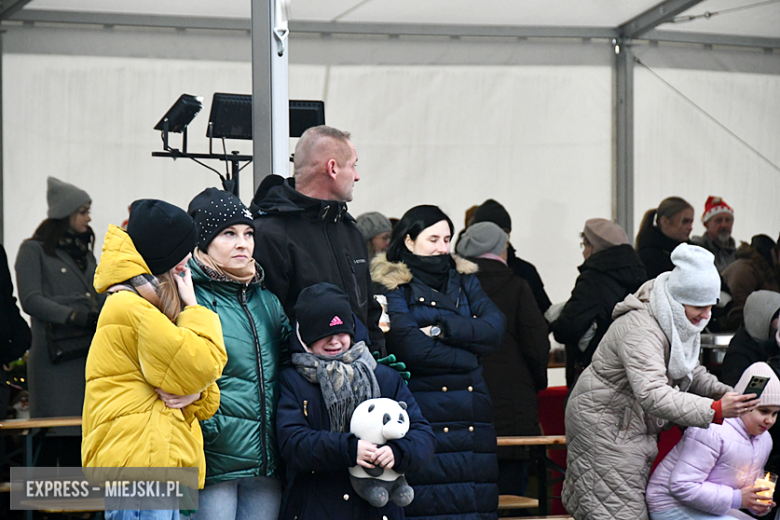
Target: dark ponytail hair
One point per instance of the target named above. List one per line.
(668, 208)
(413, 223)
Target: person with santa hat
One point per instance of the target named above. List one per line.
(718, 219)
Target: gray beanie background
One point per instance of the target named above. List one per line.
(481, 238)
(603, 234)
(760, 309)
(694, 280)
(64, 199)
(372, 224)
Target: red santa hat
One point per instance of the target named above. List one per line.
(714, 206)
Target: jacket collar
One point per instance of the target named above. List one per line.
(285, 199)
(736, 424)
(391, 275)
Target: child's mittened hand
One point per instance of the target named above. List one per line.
(384, 458)
(365, 452)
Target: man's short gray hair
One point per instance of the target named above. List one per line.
(307, 147)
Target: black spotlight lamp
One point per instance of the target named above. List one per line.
(178, 117)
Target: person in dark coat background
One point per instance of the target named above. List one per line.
(662, 229)
(492, 211)
(14, 332)
(315, 411)
(517, 371)
(756, 268)
(54, 278)
(611, 271)
(441, 325)
(755, 340)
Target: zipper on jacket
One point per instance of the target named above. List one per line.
(260, 375)
(354, 278)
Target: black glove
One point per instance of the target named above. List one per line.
(398, 366)
(78, 318)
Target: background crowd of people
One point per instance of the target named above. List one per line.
(240, 340)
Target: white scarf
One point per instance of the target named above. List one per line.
(682, 334)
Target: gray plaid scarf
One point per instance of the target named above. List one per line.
(346, 381)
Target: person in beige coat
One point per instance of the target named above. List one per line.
(645, 376)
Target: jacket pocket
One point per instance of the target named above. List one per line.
(359, 269)
(623, 426)
(210, 430)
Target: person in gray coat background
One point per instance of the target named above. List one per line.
(54, 273)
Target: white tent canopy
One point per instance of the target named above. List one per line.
(450, 102)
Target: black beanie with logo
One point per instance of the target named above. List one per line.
(323, 310)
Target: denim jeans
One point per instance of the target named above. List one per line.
(686, 513)
(144, 514)
(258, 498)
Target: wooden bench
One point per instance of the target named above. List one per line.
(32, 427)
(538, 446)
(507, 502)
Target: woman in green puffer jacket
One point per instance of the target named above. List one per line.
(243, 474)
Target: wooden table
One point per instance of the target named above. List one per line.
(31, 428)
(538, 447)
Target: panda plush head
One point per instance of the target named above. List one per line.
(380, 420)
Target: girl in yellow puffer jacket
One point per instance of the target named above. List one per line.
(152, 366)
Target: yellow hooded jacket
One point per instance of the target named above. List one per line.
(136, 349)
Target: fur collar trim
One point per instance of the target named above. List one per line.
(392, 275)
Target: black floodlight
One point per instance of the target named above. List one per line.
(304, 115)
(181, 114)
(231, 116)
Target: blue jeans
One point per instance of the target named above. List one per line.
(258, 498)
(144, 514)
(686, 513)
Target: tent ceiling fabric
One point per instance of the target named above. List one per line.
(757, 21)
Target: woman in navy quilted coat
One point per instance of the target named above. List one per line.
(441, 324)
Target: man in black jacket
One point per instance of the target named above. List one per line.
(304, 234)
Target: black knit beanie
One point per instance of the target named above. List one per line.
(492, 211)
(162, 233)
(214, 210)
(323, 310)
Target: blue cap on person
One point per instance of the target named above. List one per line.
(163, 234)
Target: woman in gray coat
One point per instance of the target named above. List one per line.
(644, 376)
(54, 273)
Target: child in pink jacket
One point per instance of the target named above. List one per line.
(711, 472)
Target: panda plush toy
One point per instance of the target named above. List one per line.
(378, 421)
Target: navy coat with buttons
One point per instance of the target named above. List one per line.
(318, 459)
(446, 380)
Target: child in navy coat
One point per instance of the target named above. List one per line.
(329, 378)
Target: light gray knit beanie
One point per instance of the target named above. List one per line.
(694, 280)
(771, 394)
(481, 238)
(760, 309)
(372, 224)
(63, 198)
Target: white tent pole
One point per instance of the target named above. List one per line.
(270, 97)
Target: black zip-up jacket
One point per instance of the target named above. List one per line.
(301, 241)
(605, 279)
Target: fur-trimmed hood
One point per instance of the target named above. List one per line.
(394, 274)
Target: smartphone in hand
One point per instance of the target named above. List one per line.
(756, 385)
